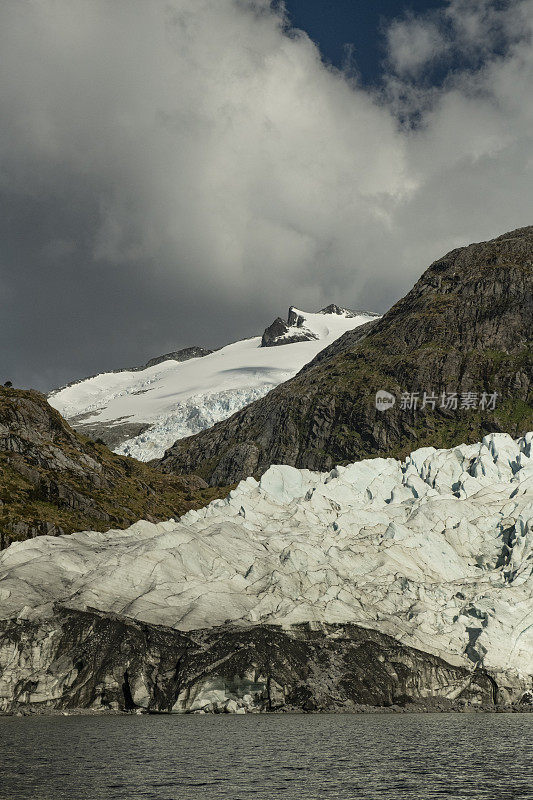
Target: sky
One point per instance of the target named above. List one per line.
(178, 172)
(348, 31)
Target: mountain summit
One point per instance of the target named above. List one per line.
(301, 326)
(453, 357)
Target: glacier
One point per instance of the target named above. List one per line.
(435, 551)
(191, 416)
(172, 400)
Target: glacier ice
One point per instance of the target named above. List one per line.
(436, 551)
(191, 416)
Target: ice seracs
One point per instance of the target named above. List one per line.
(171, 399)
(436, 551)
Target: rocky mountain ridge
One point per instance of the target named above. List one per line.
(184, 354)
(465, 327)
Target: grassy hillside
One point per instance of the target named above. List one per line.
(54, 480)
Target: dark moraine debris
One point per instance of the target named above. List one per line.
(90, 660)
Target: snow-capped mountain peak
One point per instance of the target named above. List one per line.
(303, 326)
(143, 412)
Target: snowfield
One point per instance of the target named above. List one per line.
(436, 551)
(177, 399)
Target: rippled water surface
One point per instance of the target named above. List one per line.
(412, 756)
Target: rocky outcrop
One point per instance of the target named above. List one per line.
(177, 355)
(111, 434)
(465, 327)
(298, 329)
(294, 330)
(89, 660)
(53, 480)
(275, 333)
(345, 312)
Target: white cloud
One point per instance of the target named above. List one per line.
(203, 148)
(464, 30)
(413, 44)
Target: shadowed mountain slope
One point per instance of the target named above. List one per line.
(466, 326)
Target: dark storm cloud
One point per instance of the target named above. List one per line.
(66, 314)
(176, 173)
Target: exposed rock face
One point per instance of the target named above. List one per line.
(334, 309)
(111, 434)
(464, 327)
(53, 480)
(345, 312)
(89, 660)
(280, 333)
(299, 325)
(274, 332)
(177, 355)
(297, 320)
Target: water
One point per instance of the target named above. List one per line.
(295, 757)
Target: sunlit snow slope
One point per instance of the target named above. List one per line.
(436, 551)
(179, 399)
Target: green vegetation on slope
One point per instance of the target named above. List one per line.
(54, 480)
